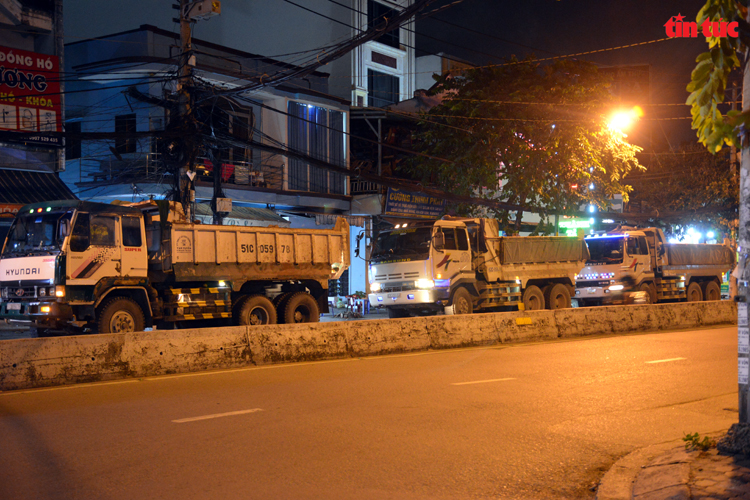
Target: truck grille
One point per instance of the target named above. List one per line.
(397, 276)
(584, 284)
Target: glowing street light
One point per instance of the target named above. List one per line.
(623, 120)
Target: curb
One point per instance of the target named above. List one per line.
(618, 482)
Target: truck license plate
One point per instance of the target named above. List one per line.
(592, 290)
(14, 306)
(394, 295)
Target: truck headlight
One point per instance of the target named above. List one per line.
(375, 287)
(4, 293)
(42, 292)
(616, 288)
(424, 283)
(60, 291)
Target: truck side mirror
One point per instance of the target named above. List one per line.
(438, 240)
(64, 229)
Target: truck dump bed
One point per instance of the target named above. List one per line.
(537, 249)
(208, 252)
(684, 257)
(533, 257)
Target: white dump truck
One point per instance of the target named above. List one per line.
(114, 268)
(643, 260)
(462, 265)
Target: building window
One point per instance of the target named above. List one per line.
(125, 124)
(382, 89)
(377, 13)
(72, 146)
(317, 132)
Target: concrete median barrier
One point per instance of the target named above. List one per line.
(30, 363)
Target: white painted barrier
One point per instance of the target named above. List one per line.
(29, 363)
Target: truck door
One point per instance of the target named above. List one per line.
(637, 260)
(94, 249)
(455, 256)
(134, 255)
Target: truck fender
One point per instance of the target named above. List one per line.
(141, 297)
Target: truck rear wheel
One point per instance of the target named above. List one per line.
(533, 299)
(711, 291)
(257, 310)
(557, 296)
(462, 303)
(279, 302)
(301, 308)
(694, 292)
(120, 315)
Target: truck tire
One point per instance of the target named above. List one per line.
(394, 312)
(533, 299)
(711, 290)
(279, 303)
(462, 303)
(694, 292)
(650, 290)
(557, 296)
(256, 310)
(301, 307)
(120, 315)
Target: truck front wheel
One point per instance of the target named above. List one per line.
(257, 310)
(462, 303)
(650, 290)
(120, 315)
(301, 308)
(533, 299)
(396, 313)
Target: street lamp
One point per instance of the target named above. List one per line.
(623, 119)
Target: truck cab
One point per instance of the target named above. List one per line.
(57, 253)
(414, 265)
(612, 258)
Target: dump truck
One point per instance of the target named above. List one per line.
(643, 259)
(462, 265)
(109, 268)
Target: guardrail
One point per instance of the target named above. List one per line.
(42, 362)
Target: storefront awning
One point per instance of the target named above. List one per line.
(20, 187)
(23, 186)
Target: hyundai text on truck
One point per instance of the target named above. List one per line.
(644, 260)
(462, 265)
(75, 265)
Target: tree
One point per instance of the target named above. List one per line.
(688, 187)
(708, 82)
(527, 134)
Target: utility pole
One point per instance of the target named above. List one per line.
(733, 148)
(184, 105)
(743, 270)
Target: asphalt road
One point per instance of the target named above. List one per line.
(530, 421)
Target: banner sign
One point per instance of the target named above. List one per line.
(30, 95)
(9, 210)
(410, 204)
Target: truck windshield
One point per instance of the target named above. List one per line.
(607, 250)
(39, 232)
(409, 243)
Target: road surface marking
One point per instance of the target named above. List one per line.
(483, 381)
(664, 360)
(215, 415)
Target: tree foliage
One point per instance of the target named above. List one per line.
(690, 187)
(526, 134)
(709, 80)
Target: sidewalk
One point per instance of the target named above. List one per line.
(670, 472)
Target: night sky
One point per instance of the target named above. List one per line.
(548, 28)
(485, 32)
